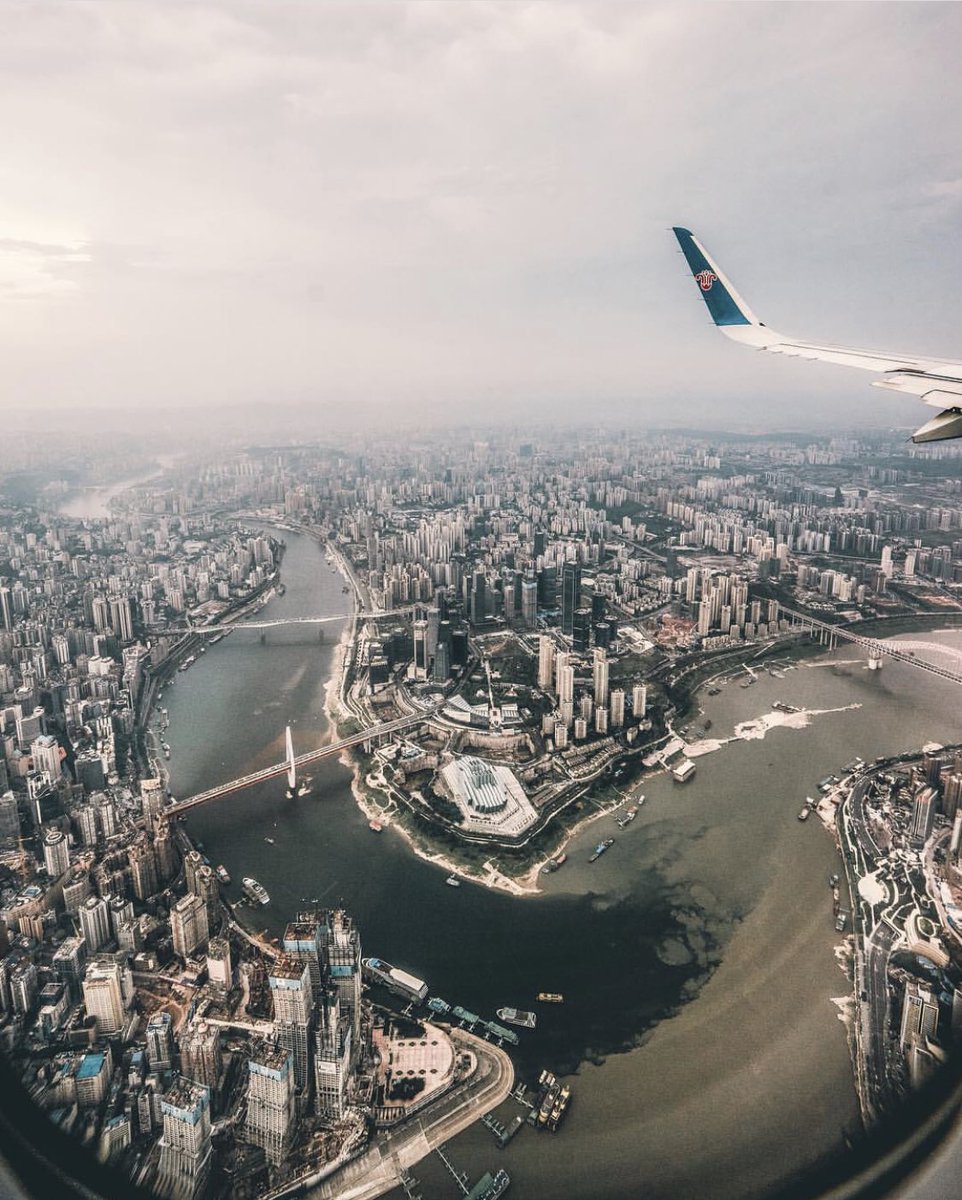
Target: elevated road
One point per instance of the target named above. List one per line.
(302, 760)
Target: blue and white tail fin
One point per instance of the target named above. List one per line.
(724, 303)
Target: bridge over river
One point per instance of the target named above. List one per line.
(370, 734)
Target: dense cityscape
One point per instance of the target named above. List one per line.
(532, 620)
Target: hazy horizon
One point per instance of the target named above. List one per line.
(461, 212)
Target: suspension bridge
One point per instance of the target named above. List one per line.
(372, 733)
(900, 651)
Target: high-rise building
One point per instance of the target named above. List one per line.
(932, 764)
(45, 752)
(188, 925)
(220, 969)
(529, 602)
(639, 700)
(600, 676)
(951, 793)
(185, 1145)
(95, 923)
(201, 1057)
(160, 1042)
(923, 815)
(342, 953)
(103, 995)
(570, 596)
(69, 961)
(304, 942)
(153, 796)
(271, 1100)
(290, 984)
(9, 818)
(581, 630)
(617, 705)
(56, 853)
(546, 654)
(332, 1059)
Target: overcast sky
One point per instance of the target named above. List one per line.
(465, 208)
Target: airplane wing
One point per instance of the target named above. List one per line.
(935, 381)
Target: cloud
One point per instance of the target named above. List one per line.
(450, 201)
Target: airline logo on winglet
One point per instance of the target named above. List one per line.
(706, 279)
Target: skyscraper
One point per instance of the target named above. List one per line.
(546, 652)
(290, 984)
(103, 996)
(56, 853)
(342, 951)
(271, 1100)
(332, 1059)
(185, 1146)
(188, 925)
(570, 596)
(95, 923)
(160, 1042)
(599, 672)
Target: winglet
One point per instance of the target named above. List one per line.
(724, 303)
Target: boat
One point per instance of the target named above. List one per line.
(805, 814)
(714, 691)
(550, 998)
(269, 840)
(304, 788)
(840, 922)
(630, 813)
(437, 1005)
(394, 978)
(453, 881)
(554, 863)
(560, 1106)
(222, 873)
(600, 849)
(254, 890)
(375, 825)
(517, 1016)
(502, 1034)
(833, 881)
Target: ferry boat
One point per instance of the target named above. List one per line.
(600, 849)
(222, 873)
(516, 1016)
(550, 998)
(554, 863)
(256, 891)
(394, 978)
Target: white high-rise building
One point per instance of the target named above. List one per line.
(639, 700)
(103, 996)
(546, 653)
(56, 853)
(95, 923)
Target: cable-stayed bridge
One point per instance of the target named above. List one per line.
(372, 733)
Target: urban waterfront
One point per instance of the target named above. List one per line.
(713, 906)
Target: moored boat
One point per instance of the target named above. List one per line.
(517, 1016)
(254, 890)
(550, 998)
